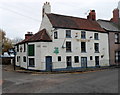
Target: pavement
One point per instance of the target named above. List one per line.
(100, 81)
(10, 68)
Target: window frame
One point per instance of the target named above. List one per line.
(83, 35)
(55, 35)
(116, 36)
(59, 58)
(96, 47)
(68, 34)
(68, 48)
(83, 50)
(24, 58)
(32, 65)
(33, 50)
(24, 47)
(117, 56)
(91, 57)
(96, 36)
(17, 48)
(76, 59)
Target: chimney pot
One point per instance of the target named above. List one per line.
(28, 35)
(92, 15)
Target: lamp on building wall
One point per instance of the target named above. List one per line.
(90, 37)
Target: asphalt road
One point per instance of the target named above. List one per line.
(105, 81)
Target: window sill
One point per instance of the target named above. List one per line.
(68, 51)
(84, 52)
(96, 39)
(97, 52)
(32, 66)
(68, 37)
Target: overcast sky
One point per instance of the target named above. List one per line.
(17, 17)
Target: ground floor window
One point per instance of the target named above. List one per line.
(117, 56)
(18, 58)
(76, 59)
(24, 59)
(31, 62)
(59, 58)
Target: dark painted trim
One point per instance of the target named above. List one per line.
(27, 55)
(33, 41)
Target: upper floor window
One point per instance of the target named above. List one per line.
(68, 46)
(83, 35)
(96, 36)
(117, 56)
(83, 47)
(31, 50)
(116, 38)
(68, 33)
(55, 35)
(17, 48)
(24, 47)
(96, 47)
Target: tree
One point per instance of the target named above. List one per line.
(5, 43)
(17, 40)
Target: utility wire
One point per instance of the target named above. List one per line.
(19, 14)
(21, 8)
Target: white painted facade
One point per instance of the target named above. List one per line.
(43, 49)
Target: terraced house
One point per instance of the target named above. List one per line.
(64, 43)
(113, 28)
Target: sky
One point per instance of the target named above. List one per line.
(17, 17)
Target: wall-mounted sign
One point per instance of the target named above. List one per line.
(56, 51)
(38, 45)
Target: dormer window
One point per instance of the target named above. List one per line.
(83, 35)
(68, 33)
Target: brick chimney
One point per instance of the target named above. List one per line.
(92, 15)
(115, 18)
(28, 35)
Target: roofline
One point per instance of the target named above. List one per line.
(110, 30)
(80, 29)
(33, 41)
(67, 16)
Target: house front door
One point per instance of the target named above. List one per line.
(48, 63)
(84, 62)
(69, 61)
(96, 60)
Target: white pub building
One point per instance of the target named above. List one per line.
(64, 43)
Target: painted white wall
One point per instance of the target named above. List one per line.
(43, 49)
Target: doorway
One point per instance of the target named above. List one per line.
(48, 63)
(69, 61)
(84, 62)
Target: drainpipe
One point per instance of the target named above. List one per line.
(27, 55)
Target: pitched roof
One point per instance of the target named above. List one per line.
(108, 25)
(61, 21)
(40, 36)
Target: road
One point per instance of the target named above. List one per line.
(105, 81)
